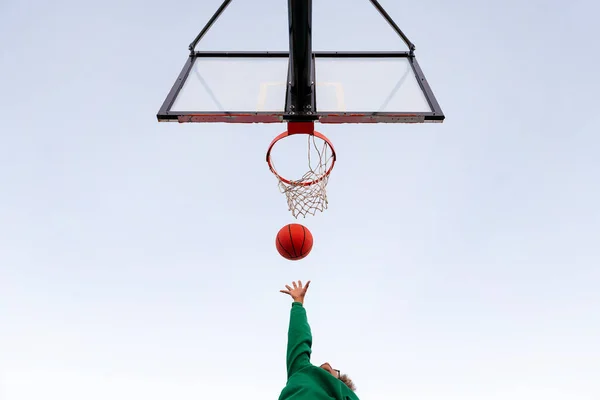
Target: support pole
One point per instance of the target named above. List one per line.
(301, 96)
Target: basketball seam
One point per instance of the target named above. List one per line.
(292, 240)
(303, 241)
(284, 249)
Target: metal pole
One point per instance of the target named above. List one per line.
(300, 85)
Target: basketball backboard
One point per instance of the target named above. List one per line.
(267, 61)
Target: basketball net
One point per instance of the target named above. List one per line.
(308, 194)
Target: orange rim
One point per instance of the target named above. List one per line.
(293, 130)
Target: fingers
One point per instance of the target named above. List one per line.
(297, 286)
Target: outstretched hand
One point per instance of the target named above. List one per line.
(297, 292)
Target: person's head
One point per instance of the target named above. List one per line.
(337, 374)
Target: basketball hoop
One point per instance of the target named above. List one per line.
(308, 194)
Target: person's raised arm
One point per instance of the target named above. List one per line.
(299, 335)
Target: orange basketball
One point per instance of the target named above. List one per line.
(294, 241)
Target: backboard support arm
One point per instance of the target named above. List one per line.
(208, 25)
(394, 26)
(300, 98)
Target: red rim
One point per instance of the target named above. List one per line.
(293, 130)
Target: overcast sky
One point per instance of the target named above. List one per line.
(456, 260)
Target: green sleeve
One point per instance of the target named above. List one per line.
(299, 340)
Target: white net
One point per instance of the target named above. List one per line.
(308, 194)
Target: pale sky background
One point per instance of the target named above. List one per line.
(456, 261)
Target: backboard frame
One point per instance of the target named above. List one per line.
(300, 104)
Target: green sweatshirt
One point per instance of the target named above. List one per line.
(307, 381)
